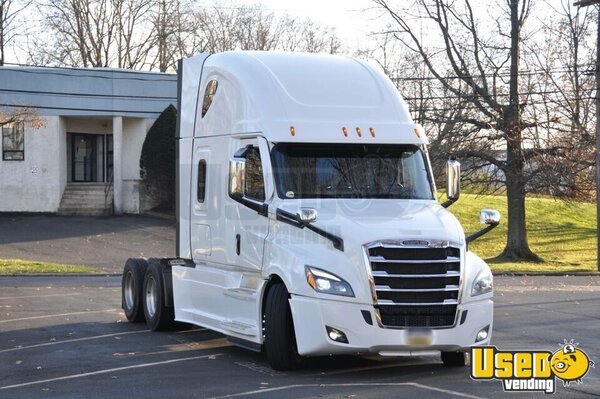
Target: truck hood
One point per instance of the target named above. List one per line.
(366, 220)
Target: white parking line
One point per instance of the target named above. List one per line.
(37, 296)
(58, 315)
(374, 384)
(106, 371)
(66, 341)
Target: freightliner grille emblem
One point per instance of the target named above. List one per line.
(419, 243)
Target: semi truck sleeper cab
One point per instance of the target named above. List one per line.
(307, 217)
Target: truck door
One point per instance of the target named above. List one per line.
(246, 227)
(200, 229)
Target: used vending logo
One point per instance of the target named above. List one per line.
(530, 371)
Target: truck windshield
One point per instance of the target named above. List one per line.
(350, 171)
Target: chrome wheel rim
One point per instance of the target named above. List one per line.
(151, 296)
(129, 291)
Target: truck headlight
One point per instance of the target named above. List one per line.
(483, 283)
(327, 283)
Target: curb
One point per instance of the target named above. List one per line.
(159, 215)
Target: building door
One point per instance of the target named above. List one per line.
(87, 157)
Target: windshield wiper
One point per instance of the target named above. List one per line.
(290, 218)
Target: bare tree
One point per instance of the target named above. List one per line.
(227, 26)
(94, 33)
(10, 27)
(24, 114)
(564, 57)
(478, 59)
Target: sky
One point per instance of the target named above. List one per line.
(353, 20)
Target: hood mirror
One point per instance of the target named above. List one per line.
(306, 215)
(489, 216)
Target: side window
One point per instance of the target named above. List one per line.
(13, 141)
(201, 193)
(255, 185)
(209, 94)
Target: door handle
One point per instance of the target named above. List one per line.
(237, 244)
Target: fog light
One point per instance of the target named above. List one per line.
(336, 335)
(482, 334)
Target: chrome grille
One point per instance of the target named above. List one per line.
(415, 286)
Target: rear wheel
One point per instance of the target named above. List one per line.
(158, 316)
(132, 289)
(280, 337)
(455, 359)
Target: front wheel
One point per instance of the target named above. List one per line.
(455, 359)
(280, 337)
(159, 317)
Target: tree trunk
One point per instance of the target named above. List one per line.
(517, 247)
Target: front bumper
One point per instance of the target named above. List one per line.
(312, 315)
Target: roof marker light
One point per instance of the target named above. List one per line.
(292, 131)
(345, 131)
(372, 131)
(418, 132)
(358, 132)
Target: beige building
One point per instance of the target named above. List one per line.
(85, 159)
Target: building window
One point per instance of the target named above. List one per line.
(13, 141)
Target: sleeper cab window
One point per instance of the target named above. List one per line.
(13, 141)
(201, 192)
(255, 185)
(209, 94)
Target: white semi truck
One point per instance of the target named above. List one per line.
(307, 218)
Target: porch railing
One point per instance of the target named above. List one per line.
(107, 186)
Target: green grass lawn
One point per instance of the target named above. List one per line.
(563, 234)
(16, 266)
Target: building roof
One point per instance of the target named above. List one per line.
(87, 91)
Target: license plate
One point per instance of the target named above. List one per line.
(420, 337)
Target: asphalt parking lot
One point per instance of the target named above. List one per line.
(101, 242)
(66, 337)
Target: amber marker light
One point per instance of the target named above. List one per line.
(358, 132)
(292, 131)
(345, 131)
(418, 132)
(372, 131)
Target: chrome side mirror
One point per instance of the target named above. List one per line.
(307, 215)
(452, 182)
(489, 216)
(237, 179)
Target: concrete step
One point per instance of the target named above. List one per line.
(70, 194)
(86, 199)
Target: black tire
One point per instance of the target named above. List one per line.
(158, 316)
(132, 284)
(455, 359)
(280, 337)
